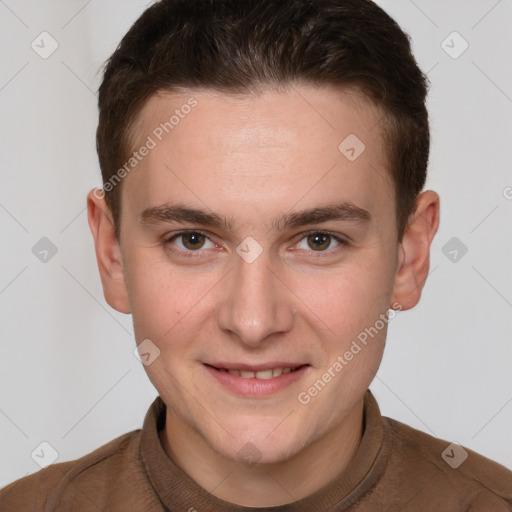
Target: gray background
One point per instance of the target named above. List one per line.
(68, 374)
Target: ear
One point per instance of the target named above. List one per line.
(414, 251)
(108, 251)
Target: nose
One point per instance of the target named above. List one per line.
(255, 302)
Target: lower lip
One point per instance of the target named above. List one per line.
(253, 387)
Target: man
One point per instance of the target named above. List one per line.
(262, 213)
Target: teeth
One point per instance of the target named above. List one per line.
(264, 374)
(261, 374)
(276, 372)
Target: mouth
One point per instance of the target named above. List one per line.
(261, 373)
(257, 381)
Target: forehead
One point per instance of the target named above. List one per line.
(304, 144)
(298, 110)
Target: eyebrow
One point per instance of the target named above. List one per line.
(345, 211)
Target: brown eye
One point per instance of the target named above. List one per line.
(190, 244)
(192, 241)
(319, 241)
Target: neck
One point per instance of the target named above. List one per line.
(264, 485)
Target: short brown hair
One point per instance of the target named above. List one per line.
(242, 46)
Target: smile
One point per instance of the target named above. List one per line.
(260, 374)
(257, 382)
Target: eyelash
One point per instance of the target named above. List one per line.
(195, 254)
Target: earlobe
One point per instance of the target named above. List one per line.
(414, 251)
(108, 252)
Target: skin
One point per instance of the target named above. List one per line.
(252, 159)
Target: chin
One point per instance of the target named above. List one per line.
(250, 454)
(260, 448)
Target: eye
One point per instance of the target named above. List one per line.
(189, 241)
(319, 241)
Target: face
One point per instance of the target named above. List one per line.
(255, 236)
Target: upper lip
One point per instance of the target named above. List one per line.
(255, 367)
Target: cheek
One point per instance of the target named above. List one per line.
(157, 297)
(168, 305)
(348, 301)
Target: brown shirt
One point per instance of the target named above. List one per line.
(396, 468)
